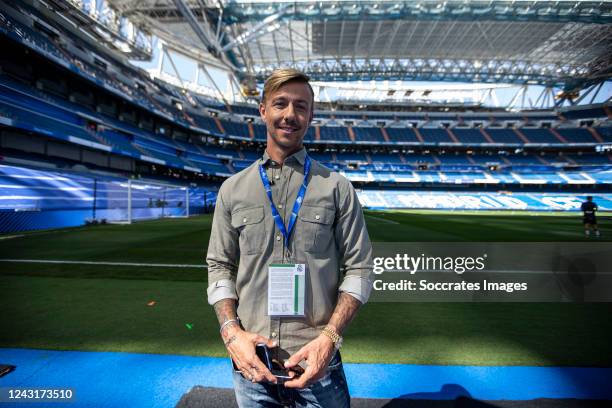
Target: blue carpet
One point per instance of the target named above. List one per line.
(109, 379)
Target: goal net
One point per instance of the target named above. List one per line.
(131, 200)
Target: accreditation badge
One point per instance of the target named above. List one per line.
(286, 289)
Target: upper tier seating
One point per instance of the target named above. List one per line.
(367, 134)
(435, 135)
(605, 132)
(239, 129)
(401, 135)
(335, 134)
(469, 136)
(578, 135)
(504, 135)
(539, 135)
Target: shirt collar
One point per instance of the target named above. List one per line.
(299, 156)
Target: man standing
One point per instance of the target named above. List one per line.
(289, 260)
(589, 208)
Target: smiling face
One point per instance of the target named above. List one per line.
(287, 113)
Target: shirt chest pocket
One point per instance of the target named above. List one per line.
(317, 228)
(252, 229)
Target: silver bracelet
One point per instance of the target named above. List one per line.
(228, 322)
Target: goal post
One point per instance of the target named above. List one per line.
(137, 200)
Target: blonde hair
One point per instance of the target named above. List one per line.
(282, 76)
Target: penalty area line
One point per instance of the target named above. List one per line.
(153, 265)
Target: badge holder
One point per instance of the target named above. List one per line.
(287, 289)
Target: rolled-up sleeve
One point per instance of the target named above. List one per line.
(223, 253)
(353, 243)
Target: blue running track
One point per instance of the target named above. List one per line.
(109, 379)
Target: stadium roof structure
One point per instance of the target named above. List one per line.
(560, 43)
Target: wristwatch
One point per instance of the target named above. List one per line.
(335, 337)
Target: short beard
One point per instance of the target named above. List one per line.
(288, 144)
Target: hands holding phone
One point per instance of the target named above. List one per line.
(317, 353)
(250, 356)
(241, 345)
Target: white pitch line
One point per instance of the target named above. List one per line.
(11, 236)
(383, 219)
(52, 261)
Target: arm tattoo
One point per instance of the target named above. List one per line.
(345, 311)
(225, 310)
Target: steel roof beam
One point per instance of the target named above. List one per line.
(549, 11)
(260, 29)
(487, 71)
(547, 54)
(291, 42)
(207, 39)
(443, 40)
(357, 38)
(278, 58)
(245, 53)
(340, 37)
(374, 38)
(307, 47)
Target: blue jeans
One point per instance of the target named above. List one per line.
(331, 391)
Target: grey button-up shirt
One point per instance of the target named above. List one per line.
(329, 236)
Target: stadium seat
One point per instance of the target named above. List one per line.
(368, 134)
(435, 135)
(335, 134)
(469, 136)
(401, 135)
(540, 135)
(502, 136)
(577, 135)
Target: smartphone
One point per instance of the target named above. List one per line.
(275, 367)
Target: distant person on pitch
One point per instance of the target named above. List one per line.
(289, 262)
(589, 208)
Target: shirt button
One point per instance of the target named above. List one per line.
(278, 237)
(317, 217)
(244, 219)
(280, 206)
(273, 335)
(277, 177)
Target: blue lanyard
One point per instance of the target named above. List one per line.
(296, 206)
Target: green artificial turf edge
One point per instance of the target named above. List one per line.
(83, 307)
(113, 315)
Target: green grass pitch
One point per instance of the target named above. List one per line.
(104, 307)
